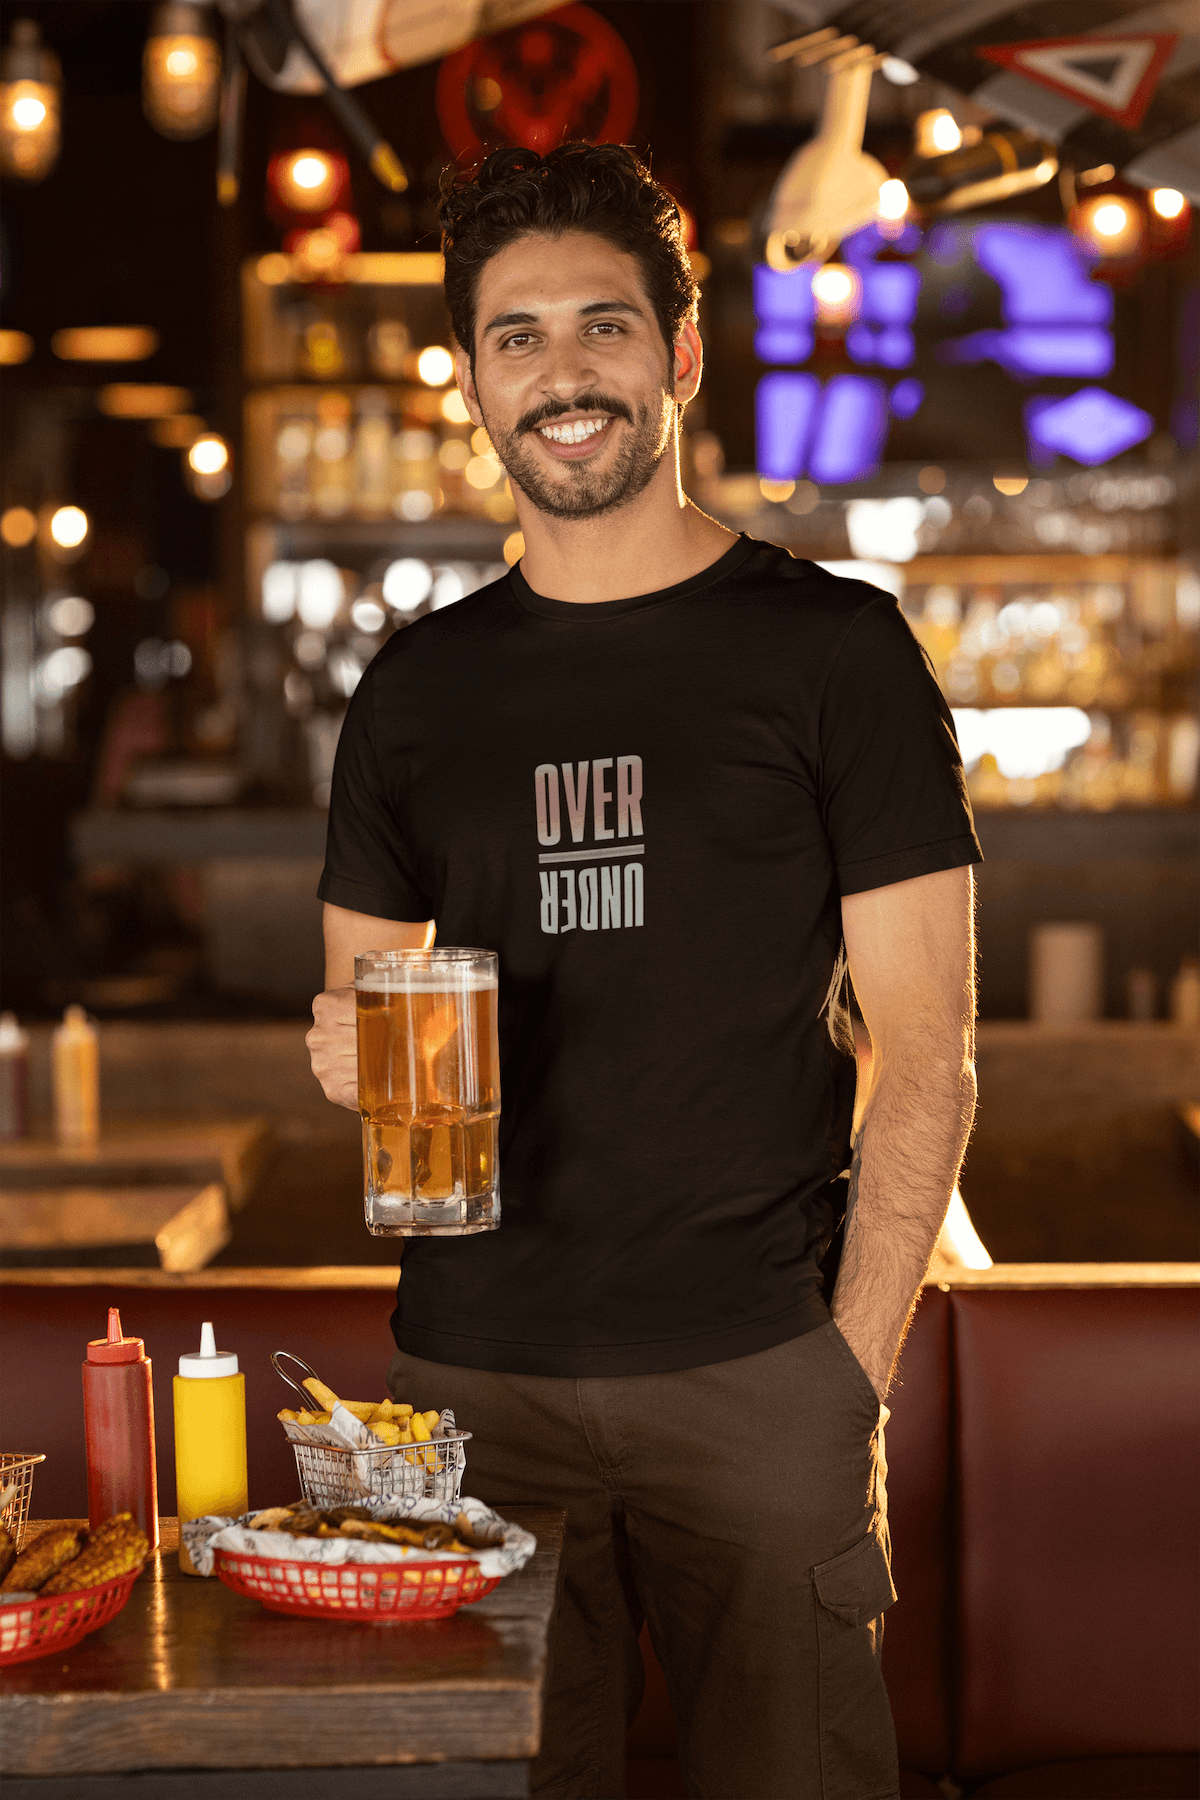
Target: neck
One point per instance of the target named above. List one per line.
(656, 540)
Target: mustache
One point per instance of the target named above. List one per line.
(549, 410)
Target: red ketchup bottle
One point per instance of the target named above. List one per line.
(118, 1422)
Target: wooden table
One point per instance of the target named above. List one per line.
(192, 1677)
(150, 1191)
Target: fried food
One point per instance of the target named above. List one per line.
(469, 1537)
(302, 1520)
(116, 1547)
(324, 1396)
(44, 1557)
(8, 1551)
(268, 1519)
(386, 1430)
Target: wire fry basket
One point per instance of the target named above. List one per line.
(333, 1477)
(16, 1470)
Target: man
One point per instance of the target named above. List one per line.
(676, 778)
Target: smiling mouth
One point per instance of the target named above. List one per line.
(574, 431)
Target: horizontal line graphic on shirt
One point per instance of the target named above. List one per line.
(613, 853)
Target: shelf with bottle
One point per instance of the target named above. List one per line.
(1073, 681)
(368, 320)
(369, 453)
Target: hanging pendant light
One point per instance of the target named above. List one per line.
(30, 86)
(181, 71)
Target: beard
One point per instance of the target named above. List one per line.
(581, 492)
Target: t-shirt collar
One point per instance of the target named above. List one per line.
(585, 612)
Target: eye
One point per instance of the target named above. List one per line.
(607, 325)
(518, 338)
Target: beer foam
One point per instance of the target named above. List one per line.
(447, 978)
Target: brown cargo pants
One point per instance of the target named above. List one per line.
(741, 1510)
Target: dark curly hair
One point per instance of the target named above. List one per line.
(601, 188)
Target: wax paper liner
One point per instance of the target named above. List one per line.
(403, 1472)
(516, 1546)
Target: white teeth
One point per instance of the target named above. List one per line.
(575, 432)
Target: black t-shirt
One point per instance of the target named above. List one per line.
(651, 809)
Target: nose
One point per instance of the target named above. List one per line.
(567, 371)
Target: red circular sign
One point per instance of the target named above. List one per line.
(563, 77)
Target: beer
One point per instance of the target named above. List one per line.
(429, 1090)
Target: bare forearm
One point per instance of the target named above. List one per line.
(906, 1159)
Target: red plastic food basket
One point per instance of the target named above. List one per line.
(41, 1627)
(388, 1592)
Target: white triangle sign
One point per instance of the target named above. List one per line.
(1105, 69)
(1113, 75)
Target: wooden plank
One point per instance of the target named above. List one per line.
(414, 1781)
(149, 1152)
(377, 1278)
(1075, 1275)
(191, 1675)
(179, 1228)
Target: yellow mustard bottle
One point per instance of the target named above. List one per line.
(76, 1072)
(210, 1436)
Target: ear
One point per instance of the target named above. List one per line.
(466, 385)
(688, 355)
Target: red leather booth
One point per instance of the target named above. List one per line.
(1044, 1462)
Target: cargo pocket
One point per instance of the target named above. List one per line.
(858, 1742)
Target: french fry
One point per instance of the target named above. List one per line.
(386, 1430)
(381, 1410)
(431, 1418)
(420, 1430)
(403, 1411)
(362, 1409)
(324, 1396)
(312, 1418)
(288, 1416)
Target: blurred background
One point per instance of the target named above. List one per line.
(951, 311)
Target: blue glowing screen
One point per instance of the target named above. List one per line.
(835, 433)
(1056, 323)
(784, 297)
(906, 397)
(1042, 272)
(784, 406)
(893, 347)
(1028, 351)
(863, 246)
(889, 293)
(1090, 425)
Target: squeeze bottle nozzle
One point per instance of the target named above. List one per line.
(208, 1363)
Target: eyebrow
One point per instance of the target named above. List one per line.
(502, 320)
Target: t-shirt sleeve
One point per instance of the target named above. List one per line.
(368, 866)
(892, 787)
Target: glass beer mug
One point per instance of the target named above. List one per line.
(429, 1090)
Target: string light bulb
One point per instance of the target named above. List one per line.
(893, 199)
(181, 72)
(1110, 222)
(936, 133)
(30, 87)
(207, 466)
(308, 180)
(435, 365)
(1168, 203)
(69, 527)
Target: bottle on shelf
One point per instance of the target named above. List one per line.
(333, 457)
(14, 1078)
(372, 455)
(76, 1079)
